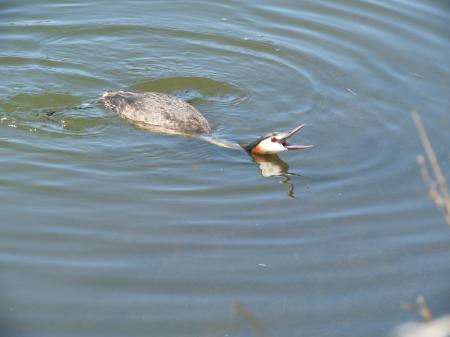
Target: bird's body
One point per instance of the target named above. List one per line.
(158, 112)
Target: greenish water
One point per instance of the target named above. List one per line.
(106, 230)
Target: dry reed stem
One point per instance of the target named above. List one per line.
(245, 313)
(438, 190)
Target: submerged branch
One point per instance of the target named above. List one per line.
(248, 316)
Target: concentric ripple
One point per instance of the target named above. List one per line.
(52, 114)
(196, 90)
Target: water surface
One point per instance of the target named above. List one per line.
(107, 230)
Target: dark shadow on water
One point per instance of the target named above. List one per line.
(5, 325)
(273, 166)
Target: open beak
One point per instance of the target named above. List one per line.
(283, 140)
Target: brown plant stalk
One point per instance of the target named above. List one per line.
(248, 316)
(437, 186)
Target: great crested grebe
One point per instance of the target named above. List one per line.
(169, 114)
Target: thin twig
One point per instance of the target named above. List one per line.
(245, 313)
(438, 190)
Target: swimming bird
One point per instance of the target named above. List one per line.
(168, 114)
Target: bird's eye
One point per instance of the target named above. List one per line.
(273, 139)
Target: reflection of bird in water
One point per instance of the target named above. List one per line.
(169, 114)
(272, 166)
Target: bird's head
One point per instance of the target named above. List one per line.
(275, 142)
